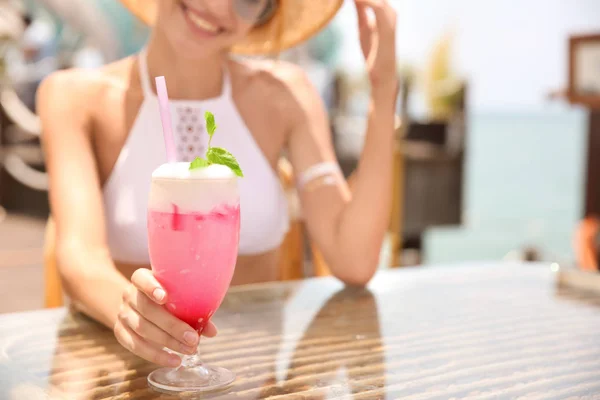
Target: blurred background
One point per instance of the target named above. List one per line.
(496, 147)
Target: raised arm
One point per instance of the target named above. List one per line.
(348, 225)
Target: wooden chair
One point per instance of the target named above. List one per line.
(292, 265)
(53, 296)
(397, 217)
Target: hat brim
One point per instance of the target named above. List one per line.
(294, 21)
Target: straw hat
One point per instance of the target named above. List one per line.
(292, 22)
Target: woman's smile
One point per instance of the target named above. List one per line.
(201, 22)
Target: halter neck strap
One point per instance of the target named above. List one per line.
(147, 86)
(144, 76)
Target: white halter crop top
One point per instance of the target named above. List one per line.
(263, 204)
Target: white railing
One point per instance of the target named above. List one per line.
(14, 155)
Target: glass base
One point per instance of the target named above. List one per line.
(202, 378)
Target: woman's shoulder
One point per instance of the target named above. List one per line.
(89, 86)
(284, 80)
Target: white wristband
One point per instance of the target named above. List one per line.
(329, 170)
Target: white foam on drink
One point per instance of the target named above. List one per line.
(181, 170)
(199, 190)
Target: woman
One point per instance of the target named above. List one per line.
(102, 139)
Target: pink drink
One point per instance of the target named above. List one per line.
(193, 234)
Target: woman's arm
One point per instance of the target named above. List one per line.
(87, 271)
(133, 310)
(348, 225)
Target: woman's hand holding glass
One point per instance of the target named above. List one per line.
(145, 327)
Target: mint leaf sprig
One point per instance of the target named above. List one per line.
(215, 155)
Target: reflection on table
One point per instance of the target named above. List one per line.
(471, 331)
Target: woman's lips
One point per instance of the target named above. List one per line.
(200, 22)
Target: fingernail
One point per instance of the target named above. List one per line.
(187, 349)
(159, 294)
(209, 333)
(190, 338)
(174, 361)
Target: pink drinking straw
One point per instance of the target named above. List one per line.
(165, 116)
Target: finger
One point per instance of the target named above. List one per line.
(366, 29)
(151, 332)
(385, 15)
(210, 330)
(365, 19)
(138, 346)
(361, 11)
(144, 280)
(163, 319)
